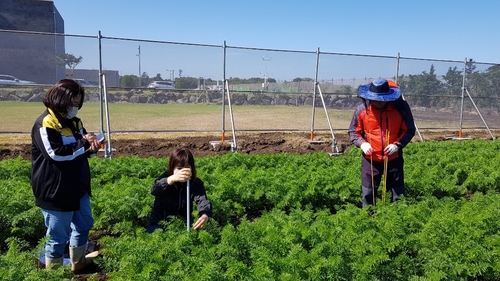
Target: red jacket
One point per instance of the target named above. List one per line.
(371, 125)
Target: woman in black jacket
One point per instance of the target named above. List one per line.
(170, 188)
(60, 174)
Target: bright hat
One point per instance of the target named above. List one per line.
(379, 90)
(392, 84)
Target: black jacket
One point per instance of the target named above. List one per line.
(60, 172)
(170, 200)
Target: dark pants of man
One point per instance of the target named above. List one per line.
(394, 183)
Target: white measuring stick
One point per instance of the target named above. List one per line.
(188, 203)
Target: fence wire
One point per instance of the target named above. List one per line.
(285, 81)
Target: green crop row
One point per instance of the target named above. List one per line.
(281, 217)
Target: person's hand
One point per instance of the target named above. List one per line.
(367, 148)
(200, 222)
(390, 149)
(181, 175)
(95, 145)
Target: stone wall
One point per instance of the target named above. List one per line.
(250, 98)
(201, 96)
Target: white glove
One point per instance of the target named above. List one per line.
(390, 149)
(367, 148)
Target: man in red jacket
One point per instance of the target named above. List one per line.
(381, 126)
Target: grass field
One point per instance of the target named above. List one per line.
(19, 117)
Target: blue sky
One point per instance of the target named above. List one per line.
(444, 30)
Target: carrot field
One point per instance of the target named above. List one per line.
(280, 217)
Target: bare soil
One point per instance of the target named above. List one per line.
(154, 145)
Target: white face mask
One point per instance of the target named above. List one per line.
(72, 112)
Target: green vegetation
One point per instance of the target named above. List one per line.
(481, 84)
(68, 60)
(181, 82)
(281, 217)
(423, 88)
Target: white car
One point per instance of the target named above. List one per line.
(85, 83)
(11, 80)
(161, 85)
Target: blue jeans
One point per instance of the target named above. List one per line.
(152, 228)
(71, 226)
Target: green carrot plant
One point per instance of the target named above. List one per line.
(281, 217)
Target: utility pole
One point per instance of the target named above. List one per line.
(171, 74)
(265, 59)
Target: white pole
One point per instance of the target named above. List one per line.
(223, 137)
(314, 95)
(234, 147)
(462, 101)
(188, 203)
(107, 147)
(139, 55)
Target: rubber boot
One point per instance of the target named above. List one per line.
(78, 258)
(53, 264)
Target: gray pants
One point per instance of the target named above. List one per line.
(394, 182)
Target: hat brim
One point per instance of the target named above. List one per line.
(391, 95)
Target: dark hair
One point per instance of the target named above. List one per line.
(182, 157)
(59, 96)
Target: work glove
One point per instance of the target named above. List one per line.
(367, 148)
(390, 149)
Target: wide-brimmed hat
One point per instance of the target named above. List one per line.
(379, 90)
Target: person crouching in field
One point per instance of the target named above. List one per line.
(381, 126)
(169, 190)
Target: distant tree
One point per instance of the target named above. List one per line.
(486, 85)
(129, 81)
(298, 79)
(470, 66)
(235, 80)
(254, 80)
(145, 80)
(209, 81)
(180, 73)
(69, 61)
(453, 80)
(186, 83)
(494, 68)
(345, 89)
(424, 84)
(492, 84)
(158, 77)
